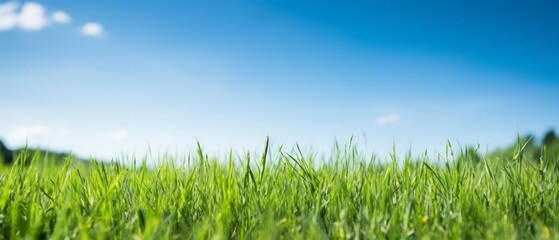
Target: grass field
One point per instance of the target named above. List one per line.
(283, 194)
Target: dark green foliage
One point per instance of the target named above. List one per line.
(551, 143)
(470, 154)
(549, 138)
(532, 149)
(6, 156)
(26, 155)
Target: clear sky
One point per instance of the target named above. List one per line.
(101, 77)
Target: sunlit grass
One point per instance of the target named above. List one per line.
(283, 194)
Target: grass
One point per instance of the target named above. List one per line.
(283, 194)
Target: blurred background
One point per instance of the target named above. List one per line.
(104, 78)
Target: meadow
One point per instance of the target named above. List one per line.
(283, 194)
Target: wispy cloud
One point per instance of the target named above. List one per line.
(387, 119)
(93, 29)
(23, 133)
(9, 7)
(119, 135)
(8, 16)
(61, 17)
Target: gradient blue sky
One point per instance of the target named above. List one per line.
(228, 73)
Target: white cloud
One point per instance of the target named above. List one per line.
(8, 21)
(22, 134)
(61, 17)
(32, 17)
(8, 17)
(8, 8)
(92, 29)
(386, 119)
(119, 135)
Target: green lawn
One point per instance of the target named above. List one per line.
(284, 194)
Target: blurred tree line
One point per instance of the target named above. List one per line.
(546, 149)
(8, 157)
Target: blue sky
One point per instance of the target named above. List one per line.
(106, 77)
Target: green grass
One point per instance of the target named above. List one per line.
(283, 194)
